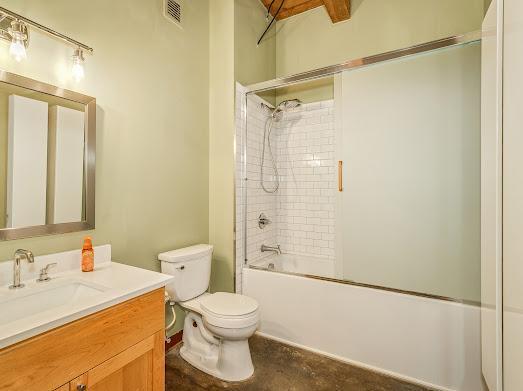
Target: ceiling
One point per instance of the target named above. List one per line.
(338, 10)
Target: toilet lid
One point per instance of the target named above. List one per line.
(228, 304)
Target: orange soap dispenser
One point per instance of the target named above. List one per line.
(87, 255)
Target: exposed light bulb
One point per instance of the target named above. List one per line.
(18, 37)
(77, 71)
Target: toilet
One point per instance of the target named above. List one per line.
(217, 326)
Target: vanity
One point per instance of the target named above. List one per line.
(60, 328)
(96, 331)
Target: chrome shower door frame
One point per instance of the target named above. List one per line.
(468, 38)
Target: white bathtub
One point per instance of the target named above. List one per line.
(299, 264)
(431, 342)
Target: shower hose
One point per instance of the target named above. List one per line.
(267, 136)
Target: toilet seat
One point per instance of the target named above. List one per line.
(229, 310)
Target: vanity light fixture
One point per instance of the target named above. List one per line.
(19, 40)
(77, 70)
(14, 28)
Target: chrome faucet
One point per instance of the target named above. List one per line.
(275, 249)
(19, 254)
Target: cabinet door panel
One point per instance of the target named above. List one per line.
(120, 361)
(138, 368)
(135, 376)
(138, 374)
(113, 382)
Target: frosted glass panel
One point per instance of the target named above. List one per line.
(410, 143)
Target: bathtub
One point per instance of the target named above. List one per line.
(431, 342)
(297, 264)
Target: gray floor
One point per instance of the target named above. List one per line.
(282, 367)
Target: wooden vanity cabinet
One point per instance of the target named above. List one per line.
(130, 370)
(117, 349)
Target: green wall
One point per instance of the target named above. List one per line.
(165, 148)
(151, 80)
(221, 144)
(309, 91)
(310, 40)
(252, 63)
(235, 26)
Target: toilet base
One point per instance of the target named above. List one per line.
(223, 359)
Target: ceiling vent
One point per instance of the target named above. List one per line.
(172, 10)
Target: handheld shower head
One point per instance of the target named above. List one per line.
(290, 104)
(274, 115)
(284, 106)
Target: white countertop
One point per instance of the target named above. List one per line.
(116, 283)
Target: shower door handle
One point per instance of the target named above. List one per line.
(340, 175)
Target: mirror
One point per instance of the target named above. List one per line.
(47, 159)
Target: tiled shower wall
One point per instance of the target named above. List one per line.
(302, 209)
(306, 198)
(258, 200)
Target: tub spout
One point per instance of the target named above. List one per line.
(275, 249)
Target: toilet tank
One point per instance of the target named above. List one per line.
(191, 269)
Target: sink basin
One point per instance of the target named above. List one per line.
(31, 300)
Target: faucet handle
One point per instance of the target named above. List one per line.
(263, 221)
(44, 271)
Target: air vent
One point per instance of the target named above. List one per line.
(173, 11)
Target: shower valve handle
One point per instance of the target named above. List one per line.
(263, 221)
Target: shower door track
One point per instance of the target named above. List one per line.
(471, 37)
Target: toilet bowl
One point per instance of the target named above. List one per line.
(217, 326)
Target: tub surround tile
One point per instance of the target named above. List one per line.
(302, 210)
(305, 142)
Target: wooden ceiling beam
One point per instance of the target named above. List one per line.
(338, 10)
(299, 8)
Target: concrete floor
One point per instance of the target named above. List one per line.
(281, 367)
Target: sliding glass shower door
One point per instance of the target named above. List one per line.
(409, 140)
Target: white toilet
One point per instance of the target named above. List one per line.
(217, 326)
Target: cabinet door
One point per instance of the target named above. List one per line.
(65, 387)
(139, 368)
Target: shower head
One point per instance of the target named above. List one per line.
(277, 112)
(288, 104)
(284, 106)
